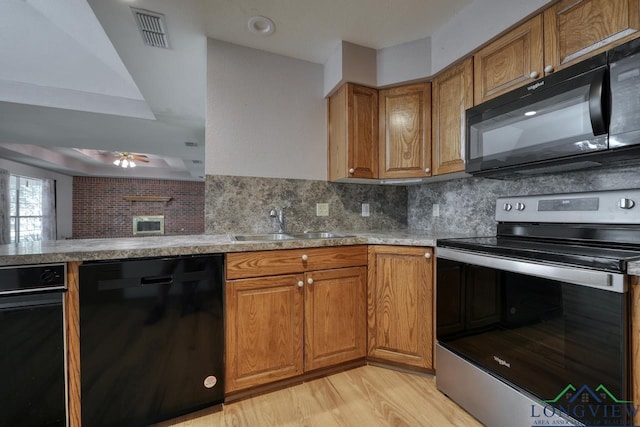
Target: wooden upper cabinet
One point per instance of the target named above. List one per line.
(509, 62)
(405, 131)
(400, 305)
(577, 29)
(353, 132)
(452, 96)
(335, 316)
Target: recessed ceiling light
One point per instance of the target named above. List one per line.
(530, 113)
(261, 25)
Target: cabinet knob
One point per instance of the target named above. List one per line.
(427, 255)
(300, 283)
(310, 281)
(427, 170)
(549, 69)
(534, 75)
(352, 170)
(305, 257)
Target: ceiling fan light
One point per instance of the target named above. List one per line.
(116, 162)
(125, 163)
(131, 164)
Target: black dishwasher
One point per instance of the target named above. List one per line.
(151, 339)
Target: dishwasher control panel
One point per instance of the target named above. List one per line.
(32, 278)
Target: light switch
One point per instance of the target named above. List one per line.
(322, 209)
(365, 209)
(435, 210)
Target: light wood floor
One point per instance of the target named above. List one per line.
(366, 396)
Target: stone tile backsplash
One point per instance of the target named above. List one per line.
(236, 204)
(467, 205)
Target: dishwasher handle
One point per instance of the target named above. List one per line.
(156, 280)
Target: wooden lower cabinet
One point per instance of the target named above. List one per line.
(400, 305)
(283, 325)
(264, 330)
(335, 316)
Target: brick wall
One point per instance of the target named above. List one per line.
(99, 209)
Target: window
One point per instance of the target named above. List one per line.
(25, 204)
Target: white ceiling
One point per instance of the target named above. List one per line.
(76, 73)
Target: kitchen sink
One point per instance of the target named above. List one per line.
(284, 236)
(318, 235)
(262, 237)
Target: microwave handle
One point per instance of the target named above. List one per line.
(596, 103)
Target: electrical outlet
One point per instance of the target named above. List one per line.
(322, 209)
(435, 210)
(365, 209)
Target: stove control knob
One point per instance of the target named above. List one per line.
(625, 203)
(520, 206)
(507, 207)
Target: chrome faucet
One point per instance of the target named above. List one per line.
(279, 217)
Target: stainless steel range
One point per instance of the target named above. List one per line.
(533, 324)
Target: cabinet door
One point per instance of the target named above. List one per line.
(400, 305)
(405, 131)
(452, 96)
(264, 328)
(353, 132)
(509, 62)
(577, 29)
(335, 316)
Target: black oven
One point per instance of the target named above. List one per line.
(32, 333)
(543, 310)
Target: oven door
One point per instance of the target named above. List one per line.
(554, 332)
(32, 361)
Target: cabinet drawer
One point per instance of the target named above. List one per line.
(269, 263)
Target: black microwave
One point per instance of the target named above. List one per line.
(585, 115)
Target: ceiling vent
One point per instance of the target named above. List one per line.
(191, 144)
(197, 162)
(153, 27)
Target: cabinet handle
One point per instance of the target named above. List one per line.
(310, 281)
(549, 69)
(427, 170)
(300, 283)
(427, 255)
(305, 257)
(352, 170)
(534, 75)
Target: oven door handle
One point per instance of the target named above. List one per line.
(579, 276)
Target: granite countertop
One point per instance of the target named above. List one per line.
(633, 268)
(138, 247)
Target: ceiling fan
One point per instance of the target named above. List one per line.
(127, 160)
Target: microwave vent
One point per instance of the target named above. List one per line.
(559, 168)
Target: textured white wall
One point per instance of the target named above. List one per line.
(265, 114)
(474, 25)
(404, 62)
(64, 192)
(350, 63)
(332, 71)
